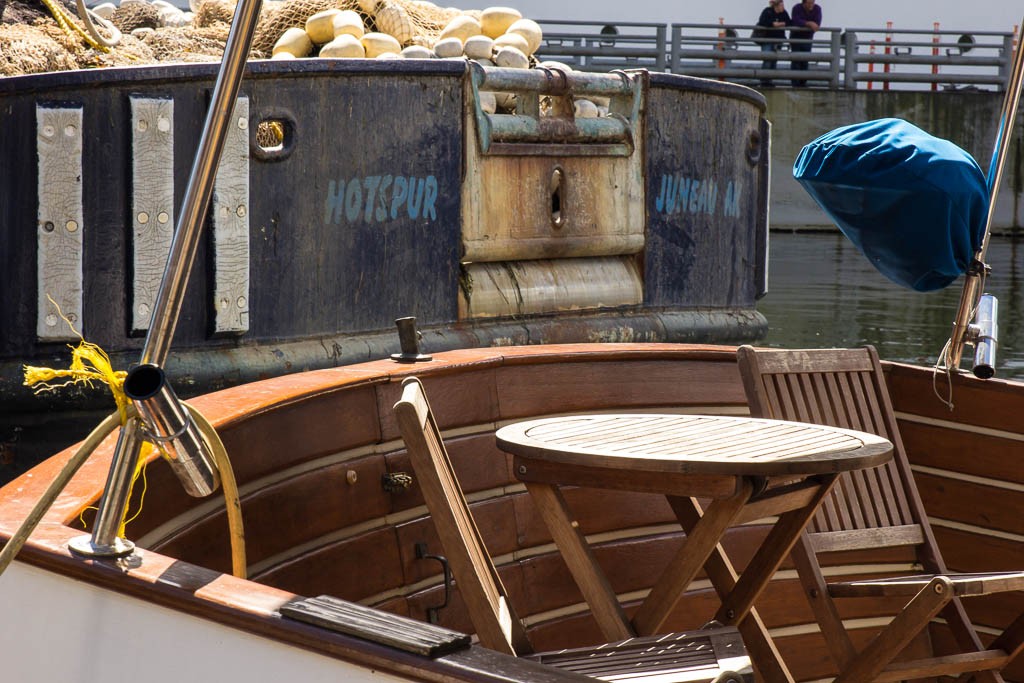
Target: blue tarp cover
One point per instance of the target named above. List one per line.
(914, 204)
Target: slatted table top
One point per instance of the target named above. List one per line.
(698, 444)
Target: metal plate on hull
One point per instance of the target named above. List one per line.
(61, 223)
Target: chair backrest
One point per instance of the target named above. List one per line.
(496, 623)
(845, 388)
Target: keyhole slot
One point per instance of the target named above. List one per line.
(556, 188)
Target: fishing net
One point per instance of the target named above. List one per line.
(413, 21)
(29, 50)
(133, 14)
(213, 12)
(31, 41)
(204, 44)
(131, 51)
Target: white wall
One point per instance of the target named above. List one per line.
(953, 15)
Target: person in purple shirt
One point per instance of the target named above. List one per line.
(805, 20)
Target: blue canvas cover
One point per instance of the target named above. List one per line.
(914, 204)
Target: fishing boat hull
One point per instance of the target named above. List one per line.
(328, 511)
(646, 225)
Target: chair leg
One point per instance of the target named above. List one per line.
(815, 588)
(901, 630)
(1011, 641)
(967, 640)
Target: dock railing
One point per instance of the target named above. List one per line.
(590, 46)
(851, 59)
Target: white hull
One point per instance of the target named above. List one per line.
(55, 629)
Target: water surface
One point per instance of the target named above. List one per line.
(822, 292)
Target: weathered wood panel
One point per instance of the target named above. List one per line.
(702, 194)
(60, 225)
(510, 203)
(230, 207)
(153, 215)
(518, 288)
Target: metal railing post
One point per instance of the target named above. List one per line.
(660, 41)
(677, 45)
(1007, 57)
(850, 60)
(835, 49)
(888, 51)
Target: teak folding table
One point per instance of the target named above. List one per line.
(749, 468)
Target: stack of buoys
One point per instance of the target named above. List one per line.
(411, 29)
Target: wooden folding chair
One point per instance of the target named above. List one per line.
(711, 654)
(878, 508)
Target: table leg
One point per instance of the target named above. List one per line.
(700, 543)
(738, 593)
(592, 582)
(769, 556)
(763, 653)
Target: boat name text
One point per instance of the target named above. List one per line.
(681, 193)
(378, 198)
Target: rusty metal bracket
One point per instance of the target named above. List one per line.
(393, 482)
(528, 132)
(422, 554)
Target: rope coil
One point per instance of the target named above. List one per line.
(89, 34)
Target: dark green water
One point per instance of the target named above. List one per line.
(822, 293)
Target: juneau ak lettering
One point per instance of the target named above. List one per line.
(683, 194)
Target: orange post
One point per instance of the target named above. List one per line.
(935, 51)
(871, 65)
(888, 50)
(721, 44)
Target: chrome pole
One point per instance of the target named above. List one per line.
(167, 308)
(977, 271)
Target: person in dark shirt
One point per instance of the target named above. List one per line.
(805, 21)
(770, 32)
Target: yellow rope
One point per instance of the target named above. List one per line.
(13, 546)
(112, 422)
(64, 20)
(89, 364)
(232, 502)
